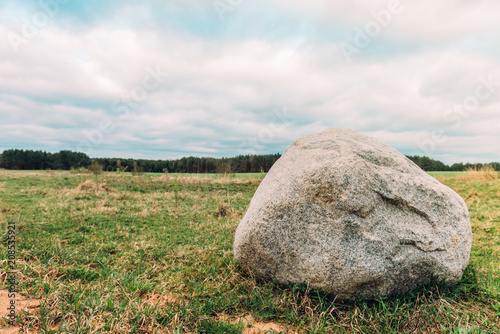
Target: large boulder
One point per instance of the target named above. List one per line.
(351, 216)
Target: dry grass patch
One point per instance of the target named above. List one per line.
(34, 191)
(202, 180)
(486, 173)
(155, 299)
(124, 197)
(88, 187)
(91, 186)
(182, 180)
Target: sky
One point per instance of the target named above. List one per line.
(166, 79)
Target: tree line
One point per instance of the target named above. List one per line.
(66, 160)
(38, 160)
(239, 164)
(432, 165)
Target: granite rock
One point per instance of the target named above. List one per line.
(351, 216)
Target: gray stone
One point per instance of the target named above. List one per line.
(351, 216)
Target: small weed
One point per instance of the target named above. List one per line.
(86, 275)
(137, 188)
(176, 192)
(223, 208)
(95, 168)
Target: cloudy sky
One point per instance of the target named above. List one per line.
(165, 79)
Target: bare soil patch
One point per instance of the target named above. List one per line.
(251, 326)
(23, 305)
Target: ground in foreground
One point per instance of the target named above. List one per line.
(116, 253)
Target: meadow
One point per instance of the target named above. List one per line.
(152, 253)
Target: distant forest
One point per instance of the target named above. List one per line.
(66, 160)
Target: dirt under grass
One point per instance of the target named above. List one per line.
(147, 254)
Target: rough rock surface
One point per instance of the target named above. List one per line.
(351, 216)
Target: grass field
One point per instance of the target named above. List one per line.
(248, 176)
(153, 254)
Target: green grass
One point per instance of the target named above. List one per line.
(132, 256)
(448, 174)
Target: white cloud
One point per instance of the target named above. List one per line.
(220, 93)
(425, 20)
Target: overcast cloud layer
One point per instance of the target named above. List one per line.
(165, 79)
